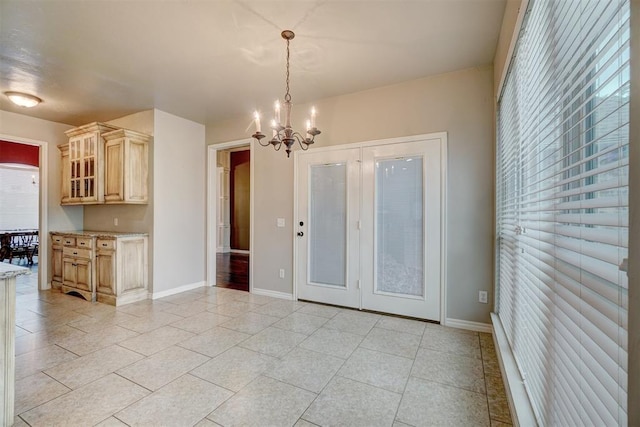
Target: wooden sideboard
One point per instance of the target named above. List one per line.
(101, 266)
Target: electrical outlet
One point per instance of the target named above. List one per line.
(482, 297)
(282, 273)
(115, 221)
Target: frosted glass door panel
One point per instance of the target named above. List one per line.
(328, 224)
(399, 227)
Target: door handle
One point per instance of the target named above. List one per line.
(300, 233)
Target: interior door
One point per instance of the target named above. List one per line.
(327, 229)
(401, 228)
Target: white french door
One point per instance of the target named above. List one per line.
(369, 231)
(328, 211)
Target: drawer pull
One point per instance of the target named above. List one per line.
(75, 253)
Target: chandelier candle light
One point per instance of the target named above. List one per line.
(285, 134)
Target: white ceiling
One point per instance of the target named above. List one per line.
(208, 60)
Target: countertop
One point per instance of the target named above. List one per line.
(8, 271)
(94, 233)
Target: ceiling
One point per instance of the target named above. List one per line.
(209, 60)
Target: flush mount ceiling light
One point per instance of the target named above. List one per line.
(23, 99)
(285, 134)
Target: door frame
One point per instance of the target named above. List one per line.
(443, 203)
(212, 205)
(43, 202)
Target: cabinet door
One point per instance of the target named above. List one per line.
(106, 272)
(83, 274)
(69, 272)
(75, 170)
(137, 171)
(56, 264)
(114, 170)
(89, 164)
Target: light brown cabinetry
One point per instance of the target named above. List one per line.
(56, 260)
(104, 164)
(83, 164)
(126, 167)
(107, 267)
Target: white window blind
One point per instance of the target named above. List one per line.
(562, 210)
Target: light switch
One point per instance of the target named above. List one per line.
(280, 222)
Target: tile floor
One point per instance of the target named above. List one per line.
(216, 356)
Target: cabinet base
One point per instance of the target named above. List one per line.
(128, 298)
(89, 296)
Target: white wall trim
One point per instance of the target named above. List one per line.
(274, 294)
(212, 205)
(519, 404)
(43, 216)
(468, 325)
(179, 289)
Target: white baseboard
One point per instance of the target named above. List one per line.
(470, 326)
(521, 410)
(177, 290)
(274, 294)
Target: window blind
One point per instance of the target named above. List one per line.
(562, 209)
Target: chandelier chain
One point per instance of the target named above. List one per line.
(287, 96)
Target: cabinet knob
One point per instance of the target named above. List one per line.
(75, 253)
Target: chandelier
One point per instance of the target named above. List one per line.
(285, 134)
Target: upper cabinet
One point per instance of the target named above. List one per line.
(126, 168)
(104, 164)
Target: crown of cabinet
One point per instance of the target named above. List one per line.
(104, 164)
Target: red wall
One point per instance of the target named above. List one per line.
(24, 154)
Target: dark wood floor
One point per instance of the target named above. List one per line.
(232, 271)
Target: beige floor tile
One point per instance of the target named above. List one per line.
(378, 369)
(491, 366)
(408, 326)
(30, 342)
(321, 310)
(22, 332)
(399, 424)
(447, 340)
(351, 403)
(301, 323)
(90, 342)
(111, 422)
(304, 423)
(253, 298)
(233, 308)
(495, 423)
(264, 402)
(250, 323)
(19, 422)
(446, 368)
(182, 402)
(392, 342)
(214, 341)
(105, 320)
(35, 390)
(163, 367)
(156, 340)
(426, 403)
(45, 323)
(149, 322)
(87, 405)
(86, 369)
(189, 309)
(499, 409)
(332, 342)
(306, 369)
(201, 322)
(181, 298)
(279, 308)
(273, 341)
(235, 368)
(43, 358)
(353, 322)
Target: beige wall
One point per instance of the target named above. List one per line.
(460, 103)
(15, 127)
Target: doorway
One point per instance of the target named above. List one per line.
(23, 178)
(371, 226)
(229, 218)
